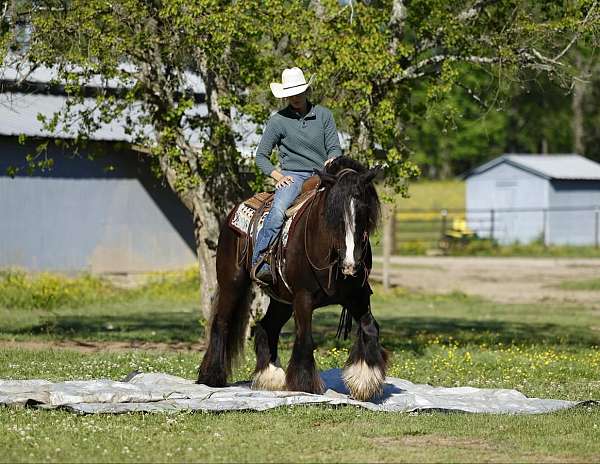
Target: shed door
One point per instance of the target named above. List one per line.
(505, 196)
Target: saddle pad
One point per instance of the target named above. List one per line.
(242, 218)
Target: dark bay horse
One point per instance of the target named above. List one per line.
(327, 261)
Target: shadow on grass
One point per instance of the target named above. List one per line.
(411, 333)
(156, 326)
(416, 333)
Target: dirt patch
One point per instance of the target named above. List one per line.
(97, 346)
(435, 440)
(489, 451)
(504, 280)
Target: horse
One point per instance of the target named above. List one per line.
(327, 261)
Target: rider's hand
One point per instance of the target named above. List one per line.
(328, 161)
(284, 182)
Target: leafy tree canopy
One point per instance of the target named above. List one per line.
(396, 73)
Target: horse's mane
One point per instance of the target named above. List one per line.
(343, 162)
(367, 206)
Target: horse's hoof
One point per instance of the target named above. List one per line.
(270, 378)
(217, 380)
(363, 381)
(305, 382)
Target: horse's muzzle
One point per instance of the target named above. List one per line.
(349, 269)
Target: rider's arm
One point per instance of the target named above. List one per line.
(332, 141)
(269, 139)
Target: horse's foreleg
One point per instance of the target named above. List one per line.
(364, 373)
(302, 374)
(268, 374)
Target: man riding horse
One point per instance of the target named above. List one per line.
(307, 139)
(326, 259)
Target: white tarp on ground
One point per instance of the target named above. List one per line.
(162, 392)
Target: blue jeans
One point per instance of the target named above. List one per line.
(284, 197)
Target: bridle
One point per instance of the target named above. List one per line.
(333, 263)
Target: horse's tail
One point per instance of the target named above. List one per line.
(228, 324)
(238, 330)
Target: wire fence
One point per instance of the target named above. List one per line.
(427, 229)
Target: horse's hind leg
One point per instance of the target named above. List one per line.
(268, 374)
(364, 373)
(230, 315)
(302, 374)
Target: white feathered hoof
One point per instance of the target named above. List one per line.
(271, 378)
(363, 381)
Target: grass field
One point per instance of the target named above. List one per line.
(544, 350)
(433, 195)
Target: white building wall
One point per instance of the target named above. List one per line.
(503, 187)
(573, 217)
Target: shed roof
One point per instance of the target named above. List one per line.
(559, 166)
(19, 115)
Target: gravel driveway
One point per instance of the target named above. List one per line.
(505, 280)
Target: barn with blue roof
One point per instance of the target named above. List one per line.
(523, 198)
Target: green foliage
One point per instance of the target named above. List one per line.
(50, 291)
(423, 86)
(47, 291)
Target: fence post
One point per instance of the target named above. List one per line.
(597, 227)
(388, 242)
(492, 219)
(545, 227)
(444, 214)
(393, 248)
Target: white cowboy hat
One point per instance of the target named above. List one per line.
(292, 83)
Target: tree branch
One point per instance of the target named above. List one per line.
(465, 15)
(475, 10)
(532, 59)
(414, 71)
(396, 24)
(577, 34)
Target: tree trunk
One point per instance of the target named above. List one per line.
(577, 107)
(206, 231)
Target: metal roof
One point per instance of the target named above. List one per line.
(14, 69)
(19, 110)
(19, 115)
(558, 166)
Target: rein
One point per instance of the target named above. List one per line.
(312, 265)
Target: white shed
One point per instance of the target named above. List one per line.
(523, 198)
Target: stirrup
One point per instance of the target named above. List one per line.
(261, 260)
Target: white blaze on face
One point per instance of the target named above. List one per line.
(349, 217)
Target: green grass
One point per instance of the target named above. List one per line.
(588, 284)
(544, 350)
(300, 434)
(433, 195)
(163, 310)
(534, 249)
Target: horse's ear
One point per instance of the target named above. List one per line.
(370, 174)
(325, 177)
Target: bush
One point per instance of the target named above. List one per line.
(19, 290)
